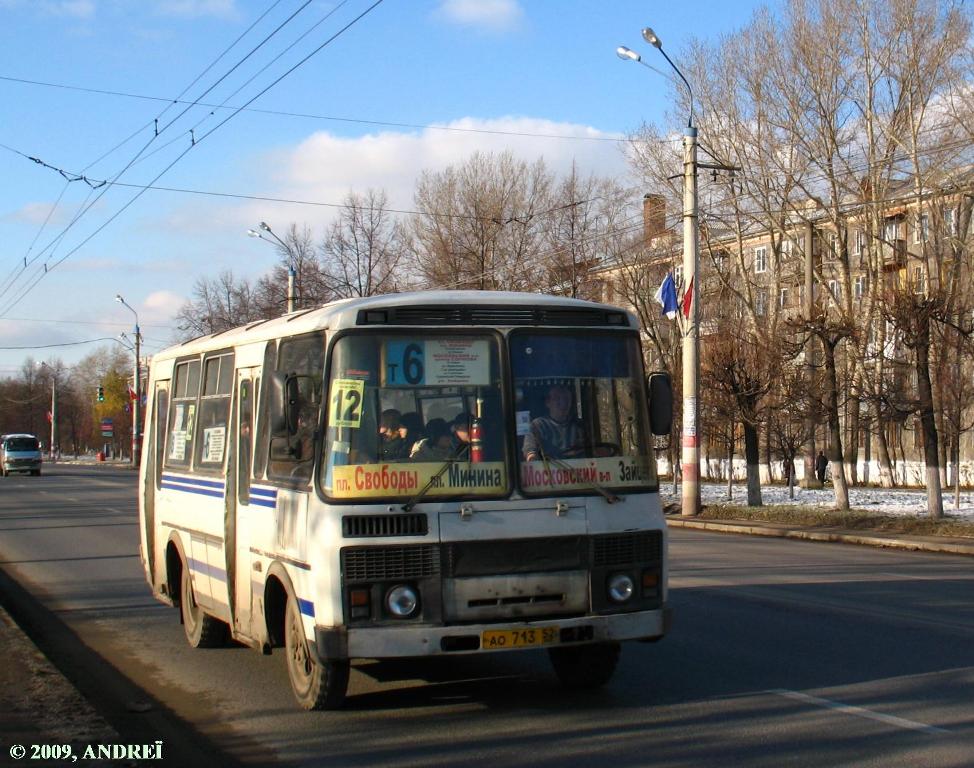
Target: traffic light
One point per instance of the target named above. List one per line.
(101, 394)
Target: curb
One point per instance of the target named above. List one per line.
(928, 544)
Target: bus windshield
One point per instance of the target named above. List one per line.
(580, 413)
(411, 410)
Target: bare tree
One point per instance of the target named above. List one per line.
(478, 225)
(363, 251)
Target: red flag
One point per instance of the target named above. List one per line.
(688, 299)
(49, 417)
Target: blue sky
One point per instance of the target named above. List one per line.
(507, 66)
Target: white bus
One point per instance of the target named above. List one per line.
(408, 475)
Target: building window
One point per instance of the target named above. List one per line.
(832, 249)
(835, 290)
(783, 297)
(950, 222)
(922, 231)
(859, 287)
(919, 283)
(761, 259)
(761, 301)
(891, 230)
(678, 276)
(860, 242)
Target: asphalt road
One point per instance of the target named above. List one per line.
(782, 653)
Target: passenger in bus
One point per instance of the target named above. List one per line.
(460, 429)
(392, 445)
(411, 430)
(437, 445)
(558, 435)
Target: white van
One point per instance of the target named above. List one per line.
(20, 453)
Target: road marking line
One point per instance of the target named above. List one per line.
(848, 709)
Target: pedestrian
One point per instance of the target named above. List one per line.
(821, 464)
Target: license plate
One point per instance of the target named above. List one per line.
(500, 639)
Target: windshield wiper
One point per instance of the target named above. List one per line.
(408, 506)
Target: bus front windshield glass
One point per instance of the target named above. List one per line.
(580, 412)
(414, 413)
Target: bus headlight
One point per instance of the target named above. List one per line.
(402, 601)
(620, 587)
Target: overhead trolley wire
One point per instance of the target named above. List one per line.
(10, 305)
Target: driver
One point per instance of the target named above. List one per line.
(558, 435)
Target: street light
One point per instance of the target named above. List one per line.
(290, 259)
(137, 408)
(691, 263)
(54, 426)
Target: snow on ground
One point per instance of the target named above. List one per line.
(879, 501)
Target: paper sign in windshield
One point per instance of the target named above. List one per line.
(437, 362)
(384, 480)
(583, 474)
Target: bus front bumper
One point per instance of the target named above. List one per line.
(339, 643)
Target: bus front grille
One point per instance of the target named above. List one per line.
(390, 563)
(626, 548)
(375, 526)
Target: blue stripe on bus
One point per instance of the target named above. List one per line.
(194, 481)
(198, 491)
(270, 493)
(307, 607)
(207, 570)
(269, 503)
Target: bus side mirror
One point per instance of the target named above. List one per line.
(283, 399)
(660, 390)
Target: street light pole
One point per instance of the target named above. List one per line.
(52, 454)
(290, 261)
(137, 408)
(690, 464)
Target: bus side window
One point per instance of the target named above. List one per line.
(245, 402)
(291, 457)
(214, 413)
(182, 415)
(263, 438)
(161, 420)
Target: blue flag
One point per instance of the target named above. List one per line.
(666, 296)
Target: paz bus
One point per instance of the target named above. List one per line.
(416, 474)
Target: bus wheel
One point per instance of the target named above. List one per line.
(316, 684)
(202, 630)
(584, 667)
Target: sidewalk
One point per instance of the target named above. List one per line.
(37, 703)
(945, 544)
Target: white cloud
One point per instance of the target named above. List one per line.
(226, 9)
(79, 9)
(493, 14)
(161, 306)
(37, 213)
(325, 167)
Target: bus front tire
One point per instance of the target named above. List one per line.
(316, 684)
(202, 630)
(584, 667)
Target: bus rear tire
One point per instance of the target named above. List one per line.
(202, 630)
(316, 684)
(584, 667)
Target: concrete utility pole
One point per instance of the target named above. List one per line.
(137, 407)
(291, 272)
(690, 464)
(690, 459)
(52, 455)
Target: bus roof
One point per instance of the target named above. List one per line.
(419, 308)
